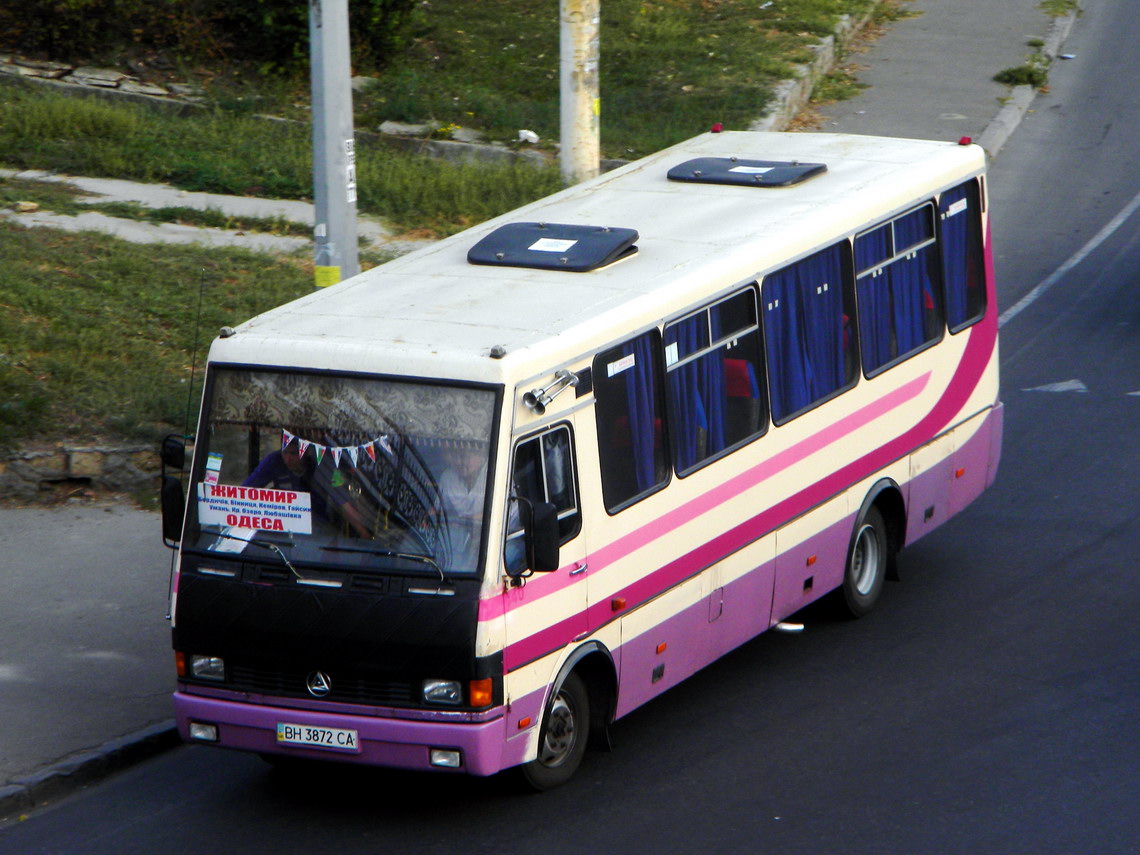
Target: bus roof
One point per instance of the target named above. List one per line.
(433, 313)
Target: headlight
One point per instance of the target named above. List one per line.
(443, 692)
(207, 667)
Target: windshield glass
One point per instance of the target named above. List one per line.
(359, 473)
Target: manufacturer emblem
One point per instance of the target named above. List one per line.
(319, 684)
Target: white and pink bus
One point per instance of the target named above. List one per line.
(464, 510)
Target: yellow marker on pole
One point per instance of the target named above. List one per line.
(326, 276)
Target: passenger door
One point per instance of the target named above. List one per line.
(546, 611)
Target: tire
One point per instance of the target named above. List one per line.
(867, 563)
(563, 737)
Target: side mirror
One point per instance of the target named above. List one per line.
(173, 509)
(173, 452)
(541, 536)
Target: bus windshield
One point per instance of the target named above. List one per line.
(360, 474)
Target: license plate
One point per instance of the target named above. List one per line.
(337, 739)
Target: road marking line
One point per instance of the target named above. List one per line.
(1081, 254)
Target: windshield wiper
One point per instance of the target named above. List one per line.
(389, 553)
(277, 549)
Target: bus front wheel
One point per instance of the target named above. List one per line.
(562, 741)
(867, 562)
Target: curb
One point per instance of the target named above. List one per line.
(30, 791)
(789, 97)
(998, 131)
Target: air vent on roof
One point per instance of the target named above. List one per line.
(554, 246)
(746, 173)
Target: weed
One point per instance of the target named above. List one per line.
(1059, 8)
(1023, 75)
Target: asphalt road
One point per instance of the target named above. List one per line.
(991, 704)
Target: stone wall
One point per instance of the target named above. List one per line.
(110, 82)
(30, 474)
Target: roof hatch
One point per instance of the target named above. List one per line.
(745, 173)
(554, 246)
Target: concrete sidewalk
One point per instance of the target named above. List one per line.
(85, 662)
(154, 196)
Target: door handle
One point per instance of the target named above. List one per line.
(580, 569)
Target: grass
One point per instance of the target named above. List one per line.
(1059, 8)
(669, 68)
(220, 152)
(96, 334)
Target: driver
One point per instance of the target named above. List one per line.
(288, 469)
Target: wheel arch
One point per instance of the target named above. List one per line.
(886, 495)
(595, 666)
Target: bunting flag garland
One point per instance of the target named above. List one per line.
(385, 442)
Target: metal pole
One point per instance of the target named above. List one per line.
(580, 104)
(334, 147)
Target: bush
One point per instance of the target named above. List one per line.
(1023, 75)
(274, 33)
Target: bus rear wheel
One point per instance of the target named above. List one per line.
(867, 562)
(562, 741)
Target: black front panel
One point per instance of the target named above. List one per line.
(377, 646)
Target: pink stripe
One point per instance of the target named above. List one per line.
(623, 546)
(978, 354)
(750, 478)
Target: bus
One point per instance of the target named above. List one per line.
(466, 509)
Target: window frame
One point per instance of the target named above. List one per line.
(538, 436)
(600, 380)
(897, 255)
(712, 346)
(847, 262)
(976, 193)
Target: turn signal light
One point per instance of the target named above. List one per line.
(180, 663)
(480, 692)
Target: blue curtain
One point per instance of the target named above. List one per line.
(641, 397)
(957, 254)
(912, 288)
(874, 295)
(873, 248)
(804, 326)
(875, 320)
(697, 393)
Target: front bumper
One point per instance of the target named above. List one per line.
(383, 741)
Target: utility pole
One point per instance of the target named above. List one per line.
(334, 146)
(578, 76)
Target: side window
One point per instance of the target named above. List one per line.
(631, 425)
(899, 300)
(543, 471)
(715, 384)
(809, 344)
(963, 270)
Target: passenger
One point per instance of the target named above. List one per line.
(463, 485)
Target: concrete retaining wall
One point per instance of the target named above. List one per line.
(30, 474)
